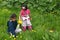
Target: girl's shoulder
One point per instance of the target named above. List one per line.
(28, 9)
(21, 11)
(25, 10)
(9, 21)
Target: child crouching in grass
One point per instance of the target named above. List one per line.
(25, 17)
(12, 23)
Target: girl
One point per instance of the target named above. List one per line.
(25, 17)
(12, 23)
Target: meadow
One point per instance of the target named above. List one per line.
(46, 26)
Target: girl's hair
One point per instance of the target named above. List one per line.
(24, 5)
(13, 16)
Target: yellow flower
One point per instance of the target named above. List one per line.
(10, 36)
(5, 39)
(13, 35)
(19, 21)
(51, 31)
(14, 38)
(20, 36)
(33, 30)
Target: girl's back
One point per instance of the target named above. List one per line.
(11, 25)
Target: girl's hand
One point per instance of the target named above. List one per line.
(30, 18)
(20, 18)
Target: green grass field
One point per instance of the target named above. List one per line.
(46, 26)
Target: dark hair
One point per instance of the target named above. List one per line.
(24, 5)
(13, 16)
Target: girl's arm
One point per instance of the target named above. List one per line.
(8, 23)
(20, 15)
(30, 15)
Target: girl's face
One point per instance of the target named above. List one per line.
(23, 8)
(13, 19)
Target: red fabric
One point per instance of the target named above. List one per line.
(25, 12)
(30, 27)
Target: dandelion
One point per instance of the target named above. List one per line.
(14, 38)
(5, 39)
(33, 30)
(13, 35)
(51, 31)
(10, 36)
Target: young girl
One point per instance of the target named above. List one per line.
(25, 16)
(12, 23)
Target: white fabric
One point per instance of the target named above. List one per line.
(26, 21)
(18, 29)
(23, 18)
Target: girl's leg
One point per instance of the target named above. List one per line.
(14, 34)
(24, 25)
(24, 28)
(29, 25)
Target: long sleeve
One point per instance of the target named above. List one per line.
(8, 26)
(8, 23)
(15, 24)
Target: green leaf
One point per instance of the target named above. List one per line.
(22, 1)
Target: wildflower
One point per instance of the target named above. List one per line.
(14, 38)
(5, 39)
(33, 30)
(51, 31)
(10, 36)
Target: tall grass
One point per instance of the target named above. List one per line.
(42, 25)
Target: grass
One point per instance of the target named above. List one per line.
(46, 26)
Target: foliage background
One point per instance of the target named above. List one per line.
(45, 17)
